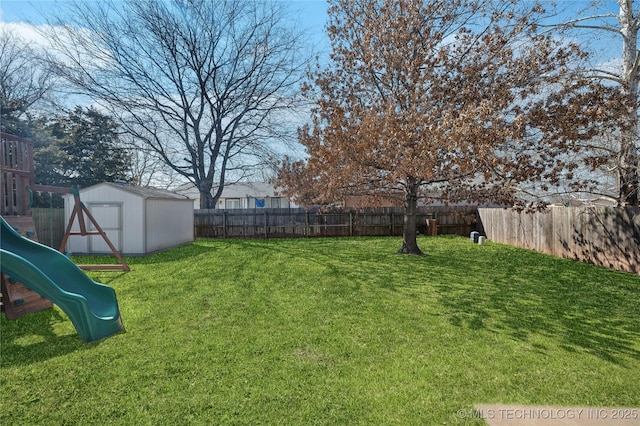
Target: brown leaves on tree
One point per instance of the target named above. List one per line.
(460, 100)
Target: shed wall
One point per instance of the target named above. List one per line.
(169, 223)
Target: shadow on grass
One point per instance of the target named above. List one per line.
(527, 296)
(177, 254)
(581, 307)
(32, 339)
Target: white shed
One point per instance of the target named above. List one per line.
(137, 220)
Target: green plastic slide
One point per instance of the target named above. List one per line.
(91, 306)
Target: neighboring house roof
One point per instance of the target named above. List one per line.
(586, 202)
(188, 190)
(234, 190)
(145, 192)
(248, 189)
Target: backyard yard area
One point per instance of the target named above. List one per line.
(331, 331)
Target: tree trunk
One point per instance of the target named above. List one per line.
(409, 240)
(207, 200)
(628, 179)
(628, 162)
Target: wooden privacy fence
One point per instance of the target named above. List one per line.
(606, 236)
(270, 223)
(50, 226)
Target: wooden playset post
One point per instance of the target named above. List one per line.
(16, 174)
(79, 210)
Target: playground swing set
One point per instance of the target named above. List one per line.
(34, 276)
(79, 212)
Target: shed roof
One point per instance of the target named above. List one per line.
(145, 192)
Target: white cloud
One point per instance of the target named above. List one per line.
(27, 32)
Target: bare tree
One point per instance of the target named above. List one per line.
(25, 80)
(147, 168)
(207, 85)
(595, 22)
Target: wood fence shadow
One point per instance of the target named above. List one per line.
(605, 237)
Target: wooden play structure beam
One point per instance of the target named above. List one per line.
(16, 173)
(79, 211)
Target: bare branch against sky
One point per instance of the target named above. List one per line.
(203, 84)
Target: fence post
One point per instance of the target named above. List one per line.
(393, 224)
(244, 226)
(306, 231)
(224, 224)
(350, 223)
(266, 234)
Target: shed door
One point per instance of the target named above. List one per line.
(109, 217)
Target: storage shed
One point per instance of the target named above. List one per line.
(137, 220)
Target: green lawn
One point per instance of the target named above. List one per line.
(331, 331)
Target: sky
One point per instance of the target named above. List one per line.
(312, 14)
(20, 10)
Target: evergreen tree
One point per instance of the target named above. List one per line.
(85, 149)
